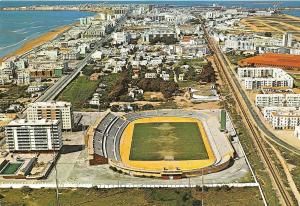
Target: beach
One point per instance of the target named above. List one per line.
(29, 45)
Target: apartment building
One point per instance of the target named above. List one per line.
(258, 77)
(40, 135)
(297, 132)
(95, 31)
(277, 100)
(52, 111)
(150, 35)
(282, 117)
(120, 37)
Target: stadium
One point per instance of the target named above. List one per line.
(168, 144)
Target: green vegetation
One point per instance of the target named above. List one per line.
(158, 85)
(11, 168)
(250, 149)
(294, 161)
(195, 70)
(131, 197)
(11, 95)
(165, 39)
(119, 88)
(175, 140)
(234, 57)
(170, 104)
(188, 83)
(79, 92)
(296, 80)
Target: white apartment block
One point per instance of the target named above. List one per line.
(120, 37)
(148, 36)
(40, 135)
(277, 100)
(282, 117)
(297, 132)
(241, 44)
(258, 77)
(23, 77)
(52, 111)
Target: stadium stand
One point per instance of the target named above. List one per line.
(108, 133)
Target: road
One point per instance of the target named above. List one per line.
(247, 117)
(52, 92)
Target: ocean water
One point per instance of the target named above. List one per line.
(233, 3)
(17, 27)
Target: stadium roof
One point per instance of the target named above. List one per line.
(270, 59)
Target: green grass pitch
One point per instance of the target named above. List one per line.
(167, 141)
(11, 168)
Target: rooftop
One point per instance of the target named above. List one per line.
(270, 59)
(21, 122)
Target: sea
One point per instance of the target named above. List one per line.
(17, 27)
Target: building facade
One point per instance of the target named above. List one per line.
(282, 117)
(52, 111)
(259, 77)
(40, 135)
(277, 100)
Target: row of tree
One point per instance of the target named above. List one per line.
(158, 85)
(120, 88)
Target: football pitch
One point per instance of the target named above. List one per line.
(167, 141)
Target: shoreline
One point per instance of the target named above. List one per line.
(38, 41)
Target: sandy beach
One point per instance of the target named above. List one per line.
(29, 45)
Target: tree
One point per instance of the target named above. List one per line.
(147, 107)
(120, 87)
(115, 108)
(126, 98)
(158, 85)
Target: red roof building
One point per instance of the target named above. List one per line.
(285, 61)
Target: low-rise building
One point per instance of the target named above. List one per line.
(95, 100)
(259, 77)
(282, 117)
(35, 88)
(71, 55)
(277, 100)
(150, 75)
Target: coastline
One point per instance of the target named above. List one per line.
(33, 43)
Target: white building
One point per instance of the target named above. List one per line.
(277, 100)
(120, 37)
(259, 77)
(94, 31)
(148, 36)
(52, 111)
(97, 55)
(297, 132)
(40, 135)
(23, 77)
(282, 117)
(71, 55)
(242, 44)
(95, 100)
(287, 40)
(35, 88)
(86, 21)
(150, 75)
